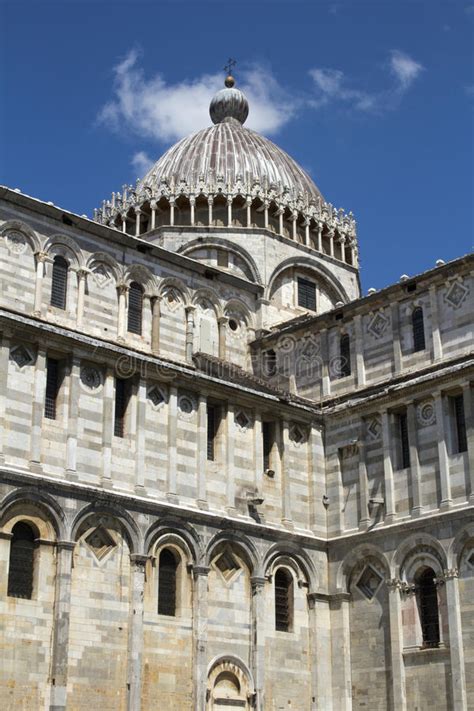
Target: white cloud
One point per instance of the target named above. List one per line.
(154, 108)
(405, 69)
(141, 163)
(332, 85)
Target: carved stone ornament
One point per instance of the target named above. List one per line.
(16, 242)
(378, 324)
(156, 397)
(100, 543)
(22, 356)
(374, 429)
(456, 294)
(102, 275)
(91, 377)
(242, 420)
(187, 406)
(286, 344)
(298, 434)
(425, 413)
(171, 299)
(369, 582)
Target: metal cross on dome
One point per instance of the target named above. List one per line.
(230, 65)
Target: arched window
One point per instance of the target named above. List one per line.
(345, 355)
(21, 567)
(283, 600)
(135, 308)
(59, 283)
(428, 607)
(167, 569)
(418, 329)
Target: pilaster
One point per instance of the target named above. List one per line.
(399, 702)
(469, 418)
(72, 417)
(200, 615)
(172, 443)
(140, 438)
(38, 407)
(135, 633)
(445, 482)
(258, 640)
(414, 461)
(61, 619)
(390, 508)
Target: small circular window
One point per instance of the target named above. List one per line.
(233, 324)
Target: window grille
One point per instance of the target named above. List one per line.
(345, 355)
(267, 436)
(283, 592)
(120, 407)
(21, 567)
(211, 432)
(428, 606)
(167, 583)
(135, 308)
(59, 283)
(404, 442)
(52, 388)
(418, 329)
(306, 294)
(460, 423)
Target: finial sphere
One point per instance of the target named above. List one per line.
(229, 81)
(229, 104)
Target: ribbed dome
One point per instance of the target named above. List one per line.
(232, 151)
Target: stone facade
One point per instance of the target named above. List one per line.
(341, 453)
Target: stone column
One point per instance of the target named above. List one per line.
(140, 437)
(397, 350)
(469, 417)
(72, 417)
(81, 293)
(445, 481)
(138, 212)
(285, 474)
(364, 522)
(306, 232)
(200, 614)
(331, 242)
(359, 350)
(153, 214)
(390, 508)
(342, 242)
(172, 206)
(266, 205)
(399, 701)
(61, 617)
(458, 673)
(436, 336)
(229, 454)
(155, 302)
(261, 312)
(4, 358)
(258, 452)
(320, 237)
(122, 290)
(248, 204)
(320, 651)
(325, 380)
(280, 220)
(192, 211)
(222, 322)
(210, 202)
(294, 218)
(172, 444)
(317, 479)
(41, 258)
(189, 332)
(202, 453)
(229, 212)
(135, 632)
(108, 427)
(258, 640)
(341, 651)
(38, 408)
(415, 474)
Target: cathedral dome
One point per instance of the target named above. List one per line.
(228, 152)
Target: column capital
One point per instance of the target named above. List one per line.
(43, 256)
(66, 545)
(138, 559)
(122, 288)
(258, 581)
(394, 584)
(201, 570)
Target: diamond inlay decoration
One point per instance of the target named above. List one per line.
(378, 324)
(242, 420)
(156, 397)
(100, 542)
(227, 565)
(297, 434)
(456, 294)
(470, 560)
(369, 582)
(21, 356)
(101, 275)
(374, 429)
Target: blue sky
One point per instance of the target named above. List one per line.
(375, 99)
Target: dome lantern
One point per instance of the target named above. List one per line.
(229, 104)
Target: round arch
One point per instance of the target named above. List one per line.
(26, 231)
(456, 549)
(29, 501)
(131, 530)
(220, 242)
(64, 246)
(356, 557)
(293, 556)
(173, 283)
(211, 296)
(417, 550)
(242, 545)
(336, 290)
(178, 532)
(102, 258)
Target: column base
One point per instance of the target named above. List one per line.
(446, 504)
(172, 498)
(107, 484)
(71, 475)
(288, 523)
(471, 499)
(416, 511)
(36, 467)
(140, 490)
(390, 518)
(202, 504)
(232, 511)
(364, 524)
